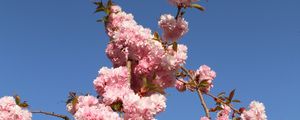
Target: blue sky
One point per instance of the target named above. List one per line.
(51, 47)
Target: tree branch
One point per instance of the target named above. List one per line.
(199, 92)
(52, 114)
(229, 105)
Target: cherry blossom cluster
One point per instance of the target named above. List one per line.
(256, 112)
(138, 90)
(151, 59)
(204, 75)
(90, 108)
(9, 110)
(144, 65)
(224, 113)
(173, 28)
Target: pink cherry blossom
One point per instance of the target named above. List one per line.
(130, 41)
(180, 86)
(256, 112)
(204, 73)
(117, 77)
(144, 108)
(97, 112)
(173, 29)
(224, 114)
(9, 110)
(174, 59)
(204, 118)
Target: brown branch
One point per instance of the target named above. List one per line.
(178, 12)
(52, 114)
(218, 99)
(199, 93)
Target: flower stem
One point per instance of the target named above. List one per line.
(178, 12)
(199, 93)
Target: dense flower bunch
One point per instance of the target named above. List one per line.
(90, 108)
(150, 58)
(9, 110)
(256, 112)
(224, 113)
(173, 28)
(205, 74)
(144, 64)
(137, 91)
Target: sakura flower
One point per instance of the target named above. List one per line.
(96, 112)
(224, 114)
(180, 86)
(204, 73)
(173, 29)
(144, 108)
(9, 110)
(256, 112)
(117, 77)
(204, 118)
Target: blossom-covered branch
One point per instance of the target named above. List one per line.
(144, 65)
(199, 93)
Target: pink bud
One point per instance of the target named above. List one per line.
(180, 86)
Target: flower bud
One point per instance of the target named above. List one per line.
(180, 86)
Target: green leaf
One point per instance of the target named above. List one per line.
(219, 108)
(100, 7)
(204, 84)
(236, 118)
(19, 103)
(106, 10)
(221, 94)
(74, 101)
(117, 106)
(191, 83)
(109, 3)
(17, 99)
(156, 36)
(23, 105)
(197, 6)
(231, 95)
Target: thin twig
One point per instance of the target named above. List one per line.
(218, 99)
(178, 12)
(199, 93)
(52, 114)
(203, 103)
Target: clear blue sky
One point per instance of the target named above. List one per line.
(51, 47)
